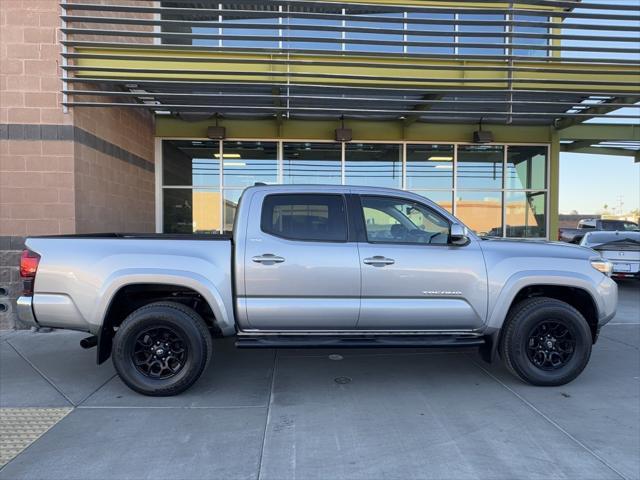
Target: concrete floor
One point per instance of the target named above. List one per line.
(369, 414)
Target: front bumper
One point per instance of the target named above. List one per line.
(608, 290)
(24, 308)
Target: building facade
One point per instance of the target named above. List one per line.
(154, 115)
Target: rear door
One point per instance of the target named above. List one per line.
(302, 269)
(412, 278)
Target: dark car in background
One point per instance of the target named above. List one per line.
(574, 235)
(622, 249)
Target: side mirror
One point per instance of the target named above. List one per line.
(458, 234)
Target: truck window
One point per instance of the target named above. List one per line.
(392, 220)
(310, 217)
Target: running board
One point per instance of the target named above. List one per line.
(378, 341)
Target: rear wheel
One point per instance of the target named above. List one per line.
(546, 342)
(161, 349)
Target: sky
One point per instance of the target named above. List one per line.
(588, 182)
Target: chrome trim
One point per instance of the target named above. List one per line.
(262, 333)
(24, 308)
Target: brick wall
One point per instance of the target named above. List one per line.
(61, 172)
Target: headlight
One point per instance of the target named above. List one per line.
(603, 266)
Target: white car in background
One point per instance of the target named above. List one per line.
(622, 249)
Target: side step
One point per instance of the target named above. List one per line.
(378, 341)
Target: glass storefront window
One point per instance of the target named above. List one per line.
(430, 27)
(530, 41)
(480, 166)
(373, 164)
(189, 210)
(246, 163)
(187, 163)
(498, 40)
(230, 199)
(375, 38)
(526, 214)
(429, 166)
(314, 37)
(442, 198)
(526, 167)
(481, 211)
(312, 163)
(197, 198)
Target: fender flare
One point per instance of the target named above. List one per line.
(122, 278)
(527, 278)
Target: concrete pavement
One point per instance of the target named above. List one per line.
(368, 414)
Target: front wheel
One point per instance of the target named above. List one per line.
(546, 342)
(161, 349)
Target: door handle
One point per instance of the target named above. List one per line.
(378, 261)
(267, 259)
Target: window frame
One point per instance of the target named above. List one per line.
(365, 236)
(347, 237)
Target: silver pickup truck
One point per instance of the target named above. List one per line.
(320, 266)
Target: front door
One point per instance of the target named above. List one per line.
(412, 278)
(302, 272)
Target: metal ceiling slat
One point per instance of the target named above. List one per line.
(386, 65)
(316, 109)
(350, 41)
(328, 28)
(377, 7)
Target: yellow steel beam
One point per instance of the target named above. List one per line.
(140, 64)
(363, 130)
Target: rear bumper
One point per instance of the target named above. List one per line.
(24, 307)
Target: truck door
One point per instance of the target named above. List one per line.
(302, 271)
(412, 278)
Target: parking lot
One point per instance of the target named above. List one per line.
(353, 414)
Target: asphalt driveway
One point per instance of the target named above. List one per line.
(315, 414)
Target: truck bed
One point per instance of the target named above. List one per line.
(146, 236)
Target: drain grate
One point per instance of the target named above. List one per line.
(20, 427)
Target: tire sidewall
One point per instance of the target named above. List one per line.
(160, 316)
(525, 327)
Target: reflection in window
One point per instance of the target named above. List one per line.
(312, 163)
(530, 41)
(526, 167)
(233, 26)
(246, 163)
(400, 221)
(525, 214)
(317, 35)
(373, 164)
(443, 198)
(480, 166)
(429, 166)
(230, 199)
(376, 38)
(191, 210)
(497, 40)
(188, 163)
(431, 27)
(481, 211)
(310, 217)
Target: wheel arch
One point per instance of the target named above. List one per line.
(574, 291)
(124, 297)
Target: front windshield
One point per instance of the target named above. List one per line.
(599, 238)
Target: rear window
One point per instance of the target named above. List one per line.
(310, 217)
(602, 237)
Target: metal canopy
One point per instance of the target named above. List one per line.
(532, 62)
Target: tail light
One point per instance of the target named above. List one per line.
(28, 266)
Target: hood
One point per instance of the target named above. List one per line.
(521, 247)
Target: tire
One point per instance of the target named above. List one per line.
(529, 328)
(179, 337)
